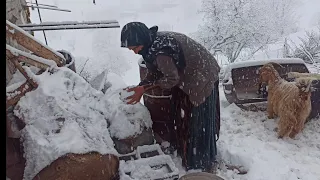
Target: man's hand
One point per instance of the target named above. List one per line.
(138, 92)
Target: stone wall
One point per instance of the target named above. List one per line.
(16, 13)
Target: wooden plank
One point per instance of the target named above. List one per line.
(30, 43)
(15, 95)
(17, 52)
(27, 60)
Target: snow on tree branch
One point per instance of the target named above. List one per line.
(231, 26)
(308, 49)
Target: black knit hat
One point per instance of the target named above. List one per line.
(136, 34)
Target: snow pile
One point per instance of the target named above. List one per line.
(132, 118)
(124, 120)
(66, 115)
(249, 139)
(99, 81)
(125, 94)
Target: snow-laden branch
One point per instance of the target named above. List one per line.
(230, 26)
(308, 49)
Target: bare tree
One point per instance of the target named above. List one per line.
(231, 26)
(309, 48)
(83, 73)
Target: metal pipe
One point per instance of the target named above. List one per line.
(44, 34)
(66, 27)
(68, 23)
(44, 5)
(49, 8)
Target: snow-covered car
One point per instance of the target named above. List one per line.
(241, 80)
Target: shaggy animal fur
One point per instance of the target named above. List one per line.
(303, 75)
(304, 81)
(288, 100)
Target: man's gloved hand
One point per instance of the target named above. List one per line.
(135, 98)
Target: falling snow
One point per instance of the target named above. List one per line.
(246, 138)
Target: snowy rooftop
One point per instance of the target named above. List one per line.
(226, 72)
(262, 62)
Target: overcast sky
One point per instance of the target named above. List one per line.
(309, 10)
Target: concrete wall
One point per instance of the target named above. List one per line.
(17, 14)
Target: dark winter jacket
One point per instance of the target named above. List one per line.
(195, 74)
(173, 59)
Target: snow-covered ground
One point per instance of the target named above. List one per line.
(247, 138)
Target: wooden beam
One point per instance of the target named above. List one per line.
(29, 42)
(14, 96)
(16, 52)
(27, 60)
(23, 72)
